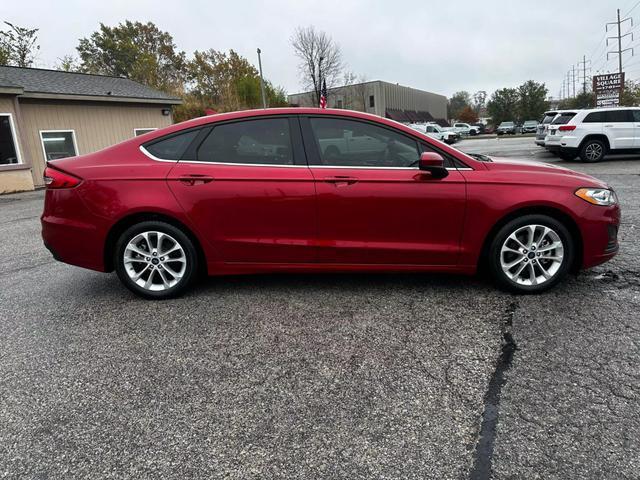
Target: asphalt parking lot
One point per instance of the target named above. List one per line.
(327, 376)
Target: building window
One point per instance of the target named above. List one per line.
(8, 146)
(58, 144)
(339, 104)
(141, 131)
(372, 102)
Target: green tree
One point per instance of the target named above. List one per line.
(532, 100)
(457, 103)
(582, 100)
(503, 105)
(135, 50)
(18, 45)
(631, 94)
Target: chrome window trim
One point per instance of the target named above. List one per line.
(153, 157)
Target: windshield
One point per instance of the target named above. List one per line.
(563, 118)
(506, 124)
(530, 123)
(548, 117)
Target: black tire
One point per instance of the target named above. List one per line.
(507, 283)
(587, 151)
(175, 234)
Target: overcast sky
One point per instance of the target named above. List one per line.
(442, 46)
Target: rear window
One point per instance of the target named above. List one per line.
(563, 118)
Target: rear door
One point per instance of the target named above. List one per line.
(246, 186)
(375, 207)
(619, 126)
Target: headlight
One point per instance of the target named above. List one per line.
(598, 196)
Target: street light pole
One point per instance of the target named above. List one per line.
(264, 99)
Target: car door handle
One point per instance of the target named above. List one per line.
(341, 180)
(608, 125)
(195, 179)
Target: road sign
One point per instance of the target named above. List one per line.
(608, 89)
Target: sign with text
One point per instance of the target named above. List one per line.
(607, 89)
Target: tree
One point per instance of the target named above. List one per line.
(457, 103)
(581, 100)
(631, 94)
(18, 45)
(479, 101)
(320, 59)
(468, 115)
(532, 100)
(135, 50)
(503, 105)
(68, 63)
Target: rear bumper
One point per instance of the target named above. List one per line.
(78, 240)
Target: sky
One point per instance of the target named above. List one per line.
(442, 46)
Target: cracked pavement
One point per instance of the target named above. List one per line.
(327, 376)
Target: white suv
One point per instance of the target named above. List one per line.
(591, 134)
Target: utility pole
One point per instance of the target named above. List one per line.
(264, 98)
(584, 72)
(569, 84)
(619, 37)
(573, 76)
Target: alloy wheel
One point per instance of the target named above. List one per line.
(532, 255)
(593, 151)
(155, 261)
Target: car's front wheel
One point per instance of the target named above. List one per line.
(531, 254)
(155, 260)
(593, 151)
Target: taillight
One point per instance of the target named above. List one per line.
(566, 128)
(56, 179)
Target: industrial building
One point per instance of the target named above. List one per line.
(390, 100)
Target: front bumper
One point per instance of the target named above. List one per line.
(599, 228)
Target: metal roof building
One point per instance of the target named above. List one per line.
(49, 114)
(404, 104)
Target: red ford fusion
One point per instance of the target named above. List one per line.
(309, 190)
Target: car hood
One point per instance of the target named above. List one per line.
(542, 172)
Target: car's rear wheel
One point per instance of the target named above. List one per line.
(593, 151)
(155, 260)
(531, 254)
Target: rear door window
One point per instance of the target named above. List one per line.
(618, 116)
(173, 147)
(264, 141)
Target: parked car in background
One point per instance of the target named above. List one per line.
(552, 139)
(161, 208)
(466, 129)
(541, 131)
(529, 126)
(481, 127)
(591, 134)
(436, 131)
(506, 128)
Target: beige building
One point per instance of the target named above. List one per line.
(384, 99)
(49, 114)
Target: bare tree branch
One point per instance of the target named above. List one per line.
(320, 59)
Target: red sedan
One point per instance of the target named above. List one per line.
(311, 190)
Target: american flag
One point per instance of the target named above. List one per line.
(323, 95)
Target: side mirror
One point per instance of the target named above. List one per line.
(433, 163)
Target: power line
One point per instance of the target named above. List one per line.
(619, 37)
(632, 8)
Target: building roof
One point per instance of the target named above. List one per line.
(42, 83)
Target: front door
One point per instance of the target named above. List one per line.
(374, 205)
(248, 190)
(620, 127)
